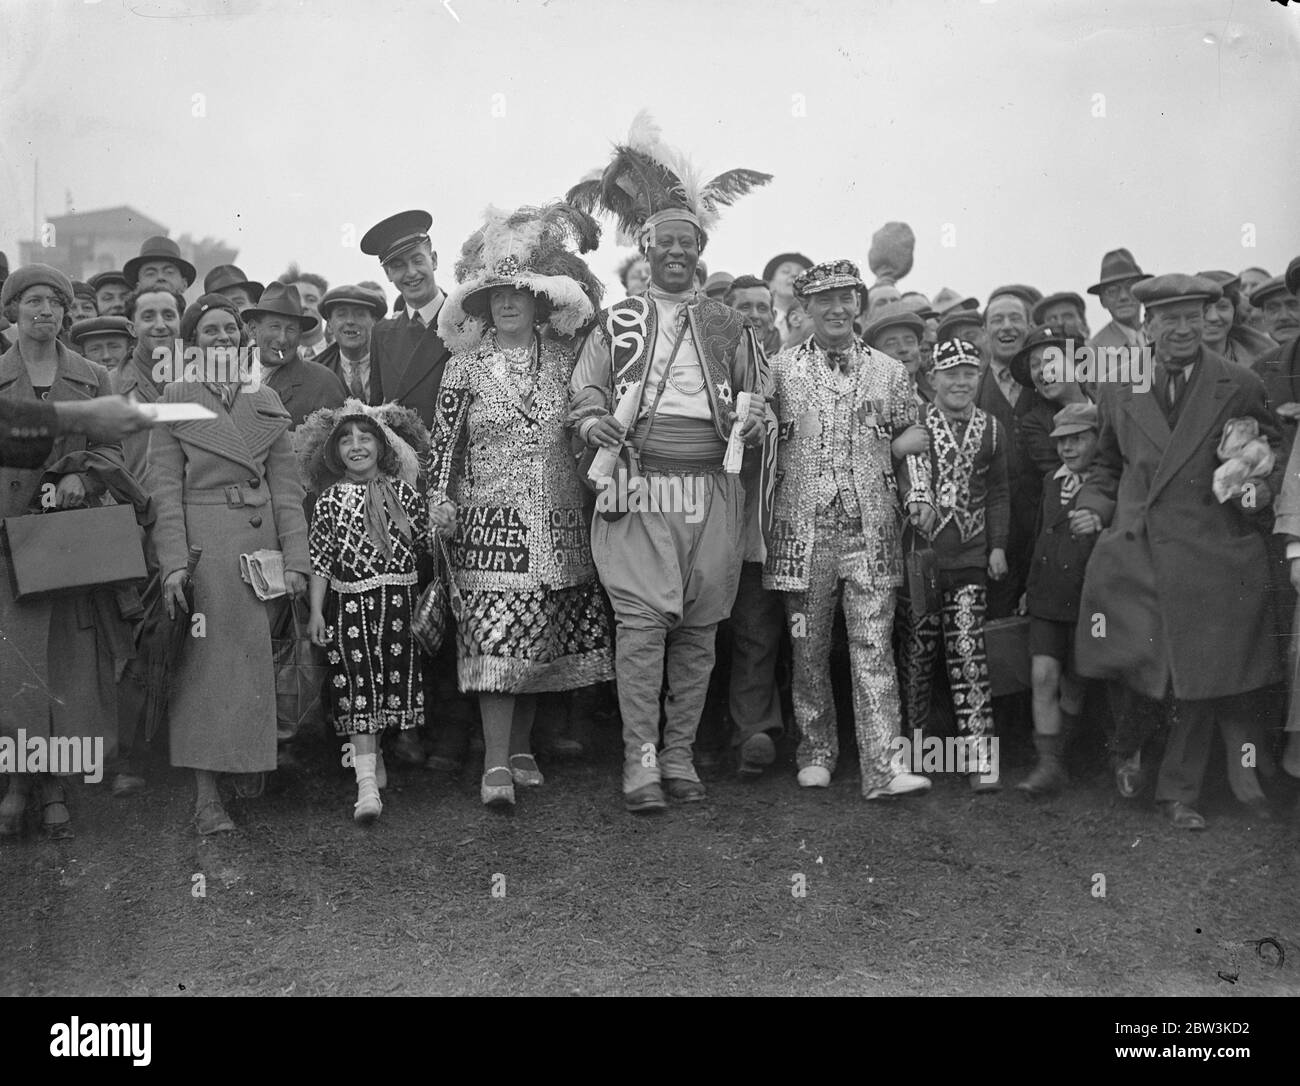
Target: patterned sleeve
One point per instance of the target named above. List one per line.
(323, 540)
(902, 401)
(449, 441)
(591, 386)
(418, 513)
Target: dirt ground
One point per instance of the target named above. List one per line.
(945, 893)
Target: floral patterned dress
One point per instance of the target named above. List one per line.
(374, 666)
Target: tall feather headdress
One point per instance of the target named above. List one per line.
(646, 180)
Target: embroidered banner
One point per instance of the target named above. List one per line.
(786, 552)
(569, 539)
(492, 538)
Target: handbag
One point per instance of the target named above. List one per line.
(429, 623)
(300, 676)
(1006, 643)
(629, 460)
(921, 566)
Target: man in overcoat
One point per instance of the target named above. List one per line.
(1175, 600)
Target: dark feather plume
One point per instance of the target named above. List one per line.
(727, 187)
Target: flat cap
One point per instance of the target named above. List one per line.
(1074, 418)
(895, 314)
(1166, 289)
(102, 279)
(1060, 297)
(349, 292)
(99, 326)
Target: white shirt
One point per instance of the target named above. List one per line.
(361, 367)
(687, 374)
(429, 311)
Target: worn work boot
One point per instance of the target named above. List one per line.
(1049, 774)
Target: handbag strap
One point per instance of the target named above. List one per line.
(453, 593)
(659, 392)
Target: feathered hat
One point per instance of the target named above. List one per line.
(647, 182)
(402, 428)
(527, 248)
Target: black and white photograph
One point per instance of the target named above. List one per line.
(583, 498)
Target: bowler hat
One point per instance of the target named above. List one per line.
(348, 292)
(1161, 290)
(1042, 336)
(102, 279)
(1074, 418)
(33, 275)
(888, 316)
(99, 326)
(396, 235)
(155, 249)
(228, 275)
(1056, 299)
(769, 269)
(1117, 266)
(280, 300)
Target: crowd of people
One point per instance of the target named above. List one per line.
(584, 493)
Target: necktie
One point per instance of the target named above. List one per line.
(1177, 382)
(841, 359)
(417, 320)
(356, 384)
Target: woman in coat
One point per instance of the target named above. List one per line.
(229, 485)
(58, 656)
(533, 618)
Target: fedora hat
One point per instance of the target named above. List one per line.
(154, 249)
(280, 300)
(769, 269)
(948, 299)
(228, 275)
(1117, 266)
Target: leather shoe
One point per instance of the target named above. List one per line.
(684, 791)
(645, 800)
(756, 754)
(126, 785)
(1259, 809)
(1128, 776)
(1183, 817)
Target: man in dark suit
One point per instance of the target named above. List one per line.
(1006, 324)
(275, 323)
(1175, 598)
(409, 357)
(406, 349)
(351, 312)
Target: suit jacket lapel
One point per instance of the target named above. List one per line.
(428, 354)
(1207, 400)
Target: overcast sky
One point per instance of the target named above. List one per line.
(1019, 138)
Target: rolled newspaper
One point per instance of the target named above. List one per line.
(602, 464)
(735, 446)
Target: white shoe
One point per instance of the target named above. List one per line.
(368, 805)
(901, 785)
(814, 776)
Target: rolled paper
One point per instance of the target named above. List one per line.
(735, 446)
(602, 464)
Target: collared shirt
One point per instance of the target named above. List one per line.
(429, 311)
(1009, 386)
(360, 368)
(308, 351)
(684, 395)
(1071, 481)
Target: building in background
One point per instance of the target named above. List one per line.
(82, 243)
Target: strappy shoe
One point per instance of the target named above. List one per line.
(211, 818)
(498, 795)
(524, 771)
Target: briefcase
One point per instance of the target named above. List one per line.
(1006, 641)
(68, 551)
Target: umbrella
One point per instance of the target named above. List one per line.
(158, 645)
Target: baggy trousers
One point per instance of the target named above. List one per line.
(840, 571)
(671, 576)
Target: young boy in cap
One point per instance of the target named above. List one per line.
(106, 340)
(111, 289)
(967, 468)
(1055, 585)
(842, 407)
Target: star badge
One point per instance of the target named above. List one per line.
(724, 391)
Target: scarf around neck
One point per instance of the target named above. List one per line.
(382, 508)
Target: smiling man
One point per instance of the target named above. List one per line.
(351, 313)
(275, 325)
(682, 359)
(1114, 287)
(1180, 579)
(311, 289)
